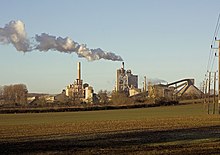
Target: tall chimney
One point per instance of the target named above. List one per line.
(145, 83)
(79, 71)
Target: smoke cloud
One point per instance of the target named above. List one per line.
(14, 33)
(155, 81)
(47, 42)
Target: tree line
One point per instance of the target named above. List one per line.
(17, 94)
(14, 94)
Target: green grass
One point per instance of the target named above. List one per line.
(125, 114)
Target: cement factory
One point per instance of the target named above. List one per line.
(80, 90)
(127, 82)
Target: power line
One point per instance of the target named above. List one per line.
(211, 55)
(211, 69)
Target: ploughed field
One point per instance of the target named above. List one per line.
(160, 130)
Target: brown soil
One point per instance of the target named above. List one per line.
(202, 140)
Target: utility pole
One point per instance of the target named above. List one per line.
(218, 103)
(203, 90)
(214, 93)
(209, 88)
(218, 76)
(218, 73)
(205, 95)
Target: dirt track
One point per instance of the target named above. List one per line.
(203, 140)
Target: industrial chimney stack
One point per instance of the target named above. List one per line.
(145, 84)
(79, 71)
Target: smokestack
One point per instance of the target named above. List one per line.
(123, 65)
(79, 70)
(145, 83)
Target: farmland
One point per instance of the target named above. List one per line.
(158, 130)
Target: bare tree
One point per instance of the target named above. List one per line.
(15, 94)
(1, 91)
(103, 96)
(120, 98)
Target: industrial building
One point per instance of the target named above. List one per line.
(126, 81)
(160, 91)
(184, 88)
(78, 90)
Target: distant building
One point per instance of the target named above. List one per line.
(126, 81)
(134, 91)
(78, 90)
(160, 91)
(184, 88)
(2, 100)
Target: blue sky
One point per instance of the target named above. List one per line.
(169, 40)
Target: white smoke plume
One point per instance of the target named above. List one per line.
(47, 42)
(156, 81)
(15, 33)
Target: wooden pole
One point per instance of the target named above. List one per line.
(209, 88)
(203, 90)
(214, 100)
(205, 95)
(218, 76)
